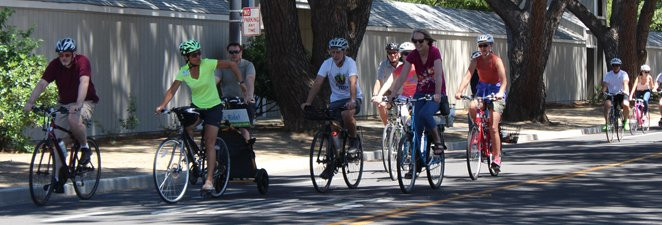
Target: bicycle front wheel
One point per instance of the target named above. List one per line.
(436, 165)
(352, 169)
(406, 164)
(321, 157)
(386, 143)
(42, 173)
(395, 136)
(86, 177)
(171, 170)
(620, 127)
(634, 120)
(222, 170)
(473, 153)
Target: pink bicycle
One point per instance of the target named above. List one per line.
(639, 121)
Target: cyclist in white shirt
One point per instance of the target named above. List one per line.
(614, 82)
(385, 70)
(345, 89)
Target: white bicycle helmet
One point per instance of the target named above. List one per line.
(340, 43)
(407, 46)
(485, 38)
(475, 54)
(616, 61)
(645, 68)
(65, 45)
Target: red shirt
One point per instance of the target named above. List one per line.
(487, 69)
(409, 87)
(425, 71)
(68, 79)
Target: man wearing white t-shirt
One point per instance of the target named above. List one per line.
(345, 90)
(616, 82)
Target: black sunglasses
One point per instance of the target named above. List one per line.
(420, 41)
(194, 54)
(234, 52)
(404, 53)
(483, 45)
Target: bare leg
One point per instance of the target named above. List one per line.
(211, 132)
(494, 120)
(349, 122)
(77, 128)
(245, 134)
(607, 106)
(383, 114)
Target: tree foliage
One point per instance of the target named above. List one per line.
(256, 52)
(459, 4)
(20, 70)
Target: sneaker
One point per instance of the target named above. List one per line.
(353, 145)
(408, 175)
(496, 165)
(59, 186)
(604, 127)
(327, 173)
(626, 124)
(85, 157)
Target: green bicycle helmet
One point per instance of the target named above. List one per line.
(189, 46)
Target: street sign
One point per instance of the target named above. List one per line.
(250, 17)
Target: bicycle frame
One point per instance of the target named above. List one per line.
(49, 127)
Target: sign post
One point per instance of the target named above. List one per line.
(251, 21)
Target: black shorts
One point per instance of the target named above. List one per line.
(211, 116)
(334, 106)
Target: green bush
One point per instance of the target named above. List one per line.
(20, 70)
(256, 52)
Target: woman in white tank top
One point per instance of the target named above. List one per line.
(643, 85)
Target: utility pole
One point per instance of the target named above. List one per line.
(235, 21)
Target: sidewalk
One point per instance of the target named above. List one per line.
(127, 163)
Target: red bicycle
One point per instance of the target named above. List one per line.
(479, 141)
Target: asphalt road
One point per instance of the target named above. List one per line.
(581, 180)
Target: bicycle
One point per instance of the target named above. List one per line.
(392, 132)
(42, 178)
(179, 161)
(411, 150)
(637, 118)
(479, 140)
(615, 116)
(328, 151)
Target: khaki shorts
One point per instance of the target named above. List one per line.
(499, 105)
(85, 114)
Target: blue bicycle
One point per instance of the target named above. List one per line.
(414, 152)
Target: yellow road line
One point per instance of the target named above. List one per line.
(371, 218)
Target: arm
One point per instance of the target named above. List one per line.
(626, 85)
(633, 89)
(502, 77)
(225, 64)
(168, 96)
(313, 91)
(387, 84)
(466, 79)
(82, 92)
(41, 85)
(376, 88)
(438, 79)
(250, 87)
(352, 92)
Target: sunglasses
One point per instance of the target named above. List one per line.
(420, 41)
(483, 45)
(194, 54)
(393, 53)
(404, 53)
(65, 55)
(616, 65)
(232, 52)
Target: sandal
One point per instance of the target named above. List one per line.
(438, 148)
(208, 187)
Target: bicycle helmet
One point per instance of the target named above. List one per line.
(407, 46)
(65, 45)
(392, 46)
(485, 38)
(645, 68)
(340, 43)
(475, 54)
(616, 61)
(189, 46)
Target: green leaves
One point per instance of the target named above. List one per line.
(20, 70)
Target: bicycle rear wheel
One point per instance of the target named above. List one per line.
(222, 169)
(395, 136)
(86, 177)
(171, 170)
(436, 165)
(386, 138)
(473, 153)
(321, 157)
(646, 122)
(406, 163)
(352, 169)
(42, 173)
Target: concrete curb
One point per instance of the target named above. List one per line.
(21, 195)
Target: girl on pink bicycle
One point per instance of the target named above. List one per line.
(643, 85)
(492, 80)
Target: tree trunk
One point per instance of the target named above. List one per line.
(625, 37)
(287, 60)
(530, 35)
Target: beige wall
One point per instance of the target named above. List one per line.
(131, 55)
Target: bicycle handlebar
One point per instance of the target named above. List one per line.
(49, 110)
(491, 97)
